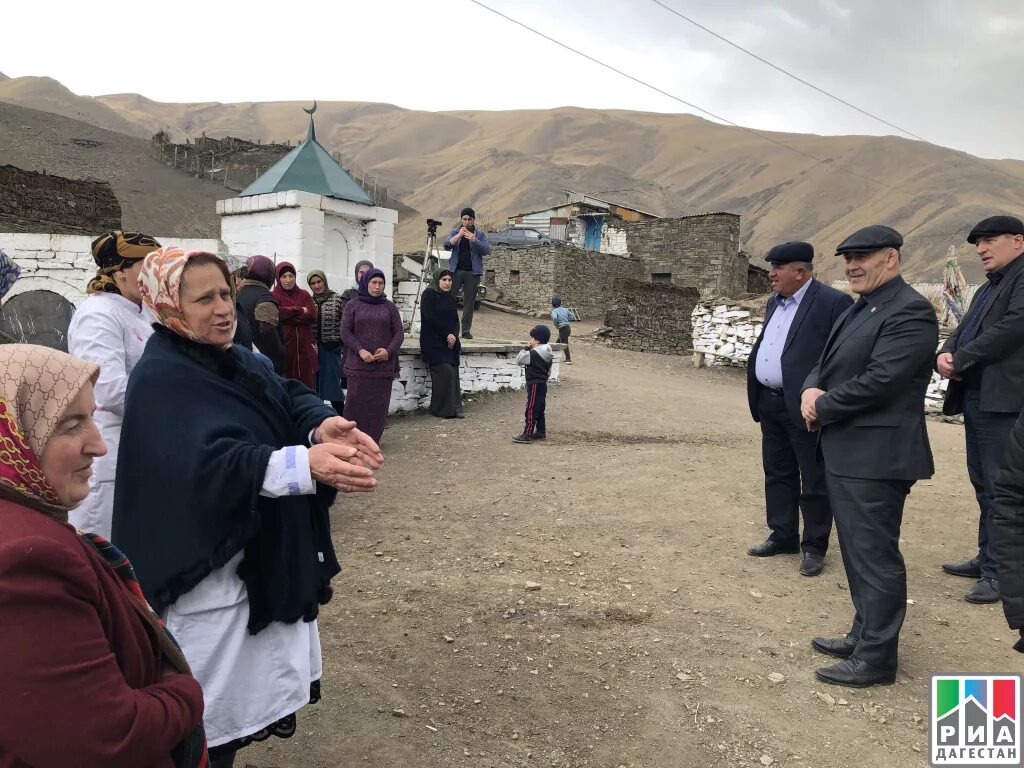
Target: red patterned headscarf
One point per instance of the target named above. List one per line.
(37, 384)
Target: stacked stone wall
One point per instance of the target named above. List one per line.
(34, 202)
(651, 317)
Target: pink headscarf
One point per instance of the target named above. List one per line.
(160, 286)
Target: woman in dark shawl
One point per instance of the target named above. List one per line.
(224, 506)
(90, 675)
(439, 345)
(328, 339)
(371, 328)
(350, 293)
(298, 316)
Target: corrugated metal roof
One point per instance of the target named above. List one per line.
(309, 168)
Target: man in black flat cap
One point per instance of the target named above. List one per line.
(798, 318)
(866, 399)
(984, 360)
(468, 246)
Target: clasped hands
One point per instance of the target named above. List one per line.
(944, 365)
(344, 457)
(373, 357)
(809, 407)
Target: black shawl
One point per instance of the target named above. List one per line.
(200, 424)
(438, 319)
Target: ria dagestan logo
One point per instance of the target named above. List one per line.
(975, 720)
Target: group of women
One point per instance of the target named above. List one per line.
(225, 474)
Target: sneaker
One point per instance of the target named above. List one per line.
(540, 435)
(467, 335)
(522, 439)
(567, 362)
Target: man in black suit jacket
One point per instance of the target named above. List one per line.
(797, 321)
(984, 360)
(866, 399)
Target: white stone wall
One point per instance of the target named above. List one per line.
(613, 240)
(404, 296)
(63, 263)
(310, 231)
(726, 335)
(490, 368)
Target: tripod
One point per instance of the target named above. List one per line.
(428, 266)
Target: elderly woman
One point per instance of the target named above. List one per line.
(298, 316)
(111, 329)
(327, 332)
(258, 306)
(90, 676)
(439, 346)
(371, 328)
(350, 293)
(229, 525)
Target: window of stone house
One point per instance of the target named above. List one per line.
(513, 277)
(488, 277)
(661, 277)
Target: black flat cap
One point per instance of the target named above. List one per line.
(872, 238)
(792, 251)
(996, 225)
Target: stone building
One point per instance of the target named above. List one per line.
(651, 317)
(701, 252)
(527, 278)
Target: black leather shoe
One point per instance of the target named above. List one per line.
(970, 569)
(767, 548)
(467, 335)
(812, 564)
(840, 647)
(855, 673)
(985, 591)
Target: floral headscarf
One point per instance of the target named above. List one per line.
(160, 286)
(114, 251)
(9, 273)
(36, 388)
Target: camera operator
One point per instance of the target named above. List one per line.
(468, 246)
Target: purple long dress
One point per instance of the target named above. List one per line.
(370, 326)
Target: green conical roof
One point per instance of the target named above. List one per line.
(309, 168)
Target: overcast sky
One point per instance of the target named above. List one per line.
(947, 70)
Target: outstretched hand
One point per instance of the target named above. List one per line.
(338, 430)
(336, 466)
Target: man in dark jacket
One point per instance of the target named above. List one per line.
(798, 318)
(1008, 530)
(866, 398)
(984, 360)
(468, 246)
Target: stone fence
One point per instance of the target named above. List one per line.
(63, 263)
(30, 201)
(650, 317)
(724, 333)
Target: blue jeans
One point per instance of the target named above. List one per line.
(987, 433)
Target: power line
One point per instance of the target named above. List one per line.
(720, 118)
(823, 92)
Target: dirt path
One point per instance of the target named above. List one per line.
(652, 637)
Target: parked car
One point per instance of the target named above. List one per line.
(481, 293)
(522, 237)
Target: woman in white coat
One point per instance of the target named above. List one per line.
(111, 329)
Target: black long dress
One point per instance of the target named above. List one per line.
(439, 318)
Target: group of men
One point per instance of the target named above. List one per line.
(838, 388)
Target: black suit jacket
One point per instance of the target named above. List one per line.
(996, 353)
(1008, 519)
(819, 309)
(875, 372)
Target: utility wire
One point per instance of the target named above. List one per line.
(720, 118)
(823, 92)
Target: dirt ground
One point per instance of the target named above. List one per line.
(652, 636)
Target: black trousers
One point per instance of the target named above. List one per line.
(536, 400)
(469, 283)
(869, 514)
(794, 478)
(564, 332)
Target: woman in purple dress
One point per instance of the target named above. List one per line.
(371, 329)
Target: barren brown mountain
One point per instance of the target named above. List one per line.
(793, 186)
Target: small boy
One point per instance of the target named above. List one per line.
(536, 357)
(561, 317)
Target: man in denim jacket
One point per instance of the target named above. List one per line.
(468, 246)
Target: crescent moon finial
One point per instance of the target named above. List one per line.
(311, 110)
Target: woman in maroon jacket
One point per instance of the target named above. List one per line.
(89, 676)
(371, 329)
(298, 316)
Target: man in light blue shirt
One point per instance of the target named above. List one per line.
(798, 319)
